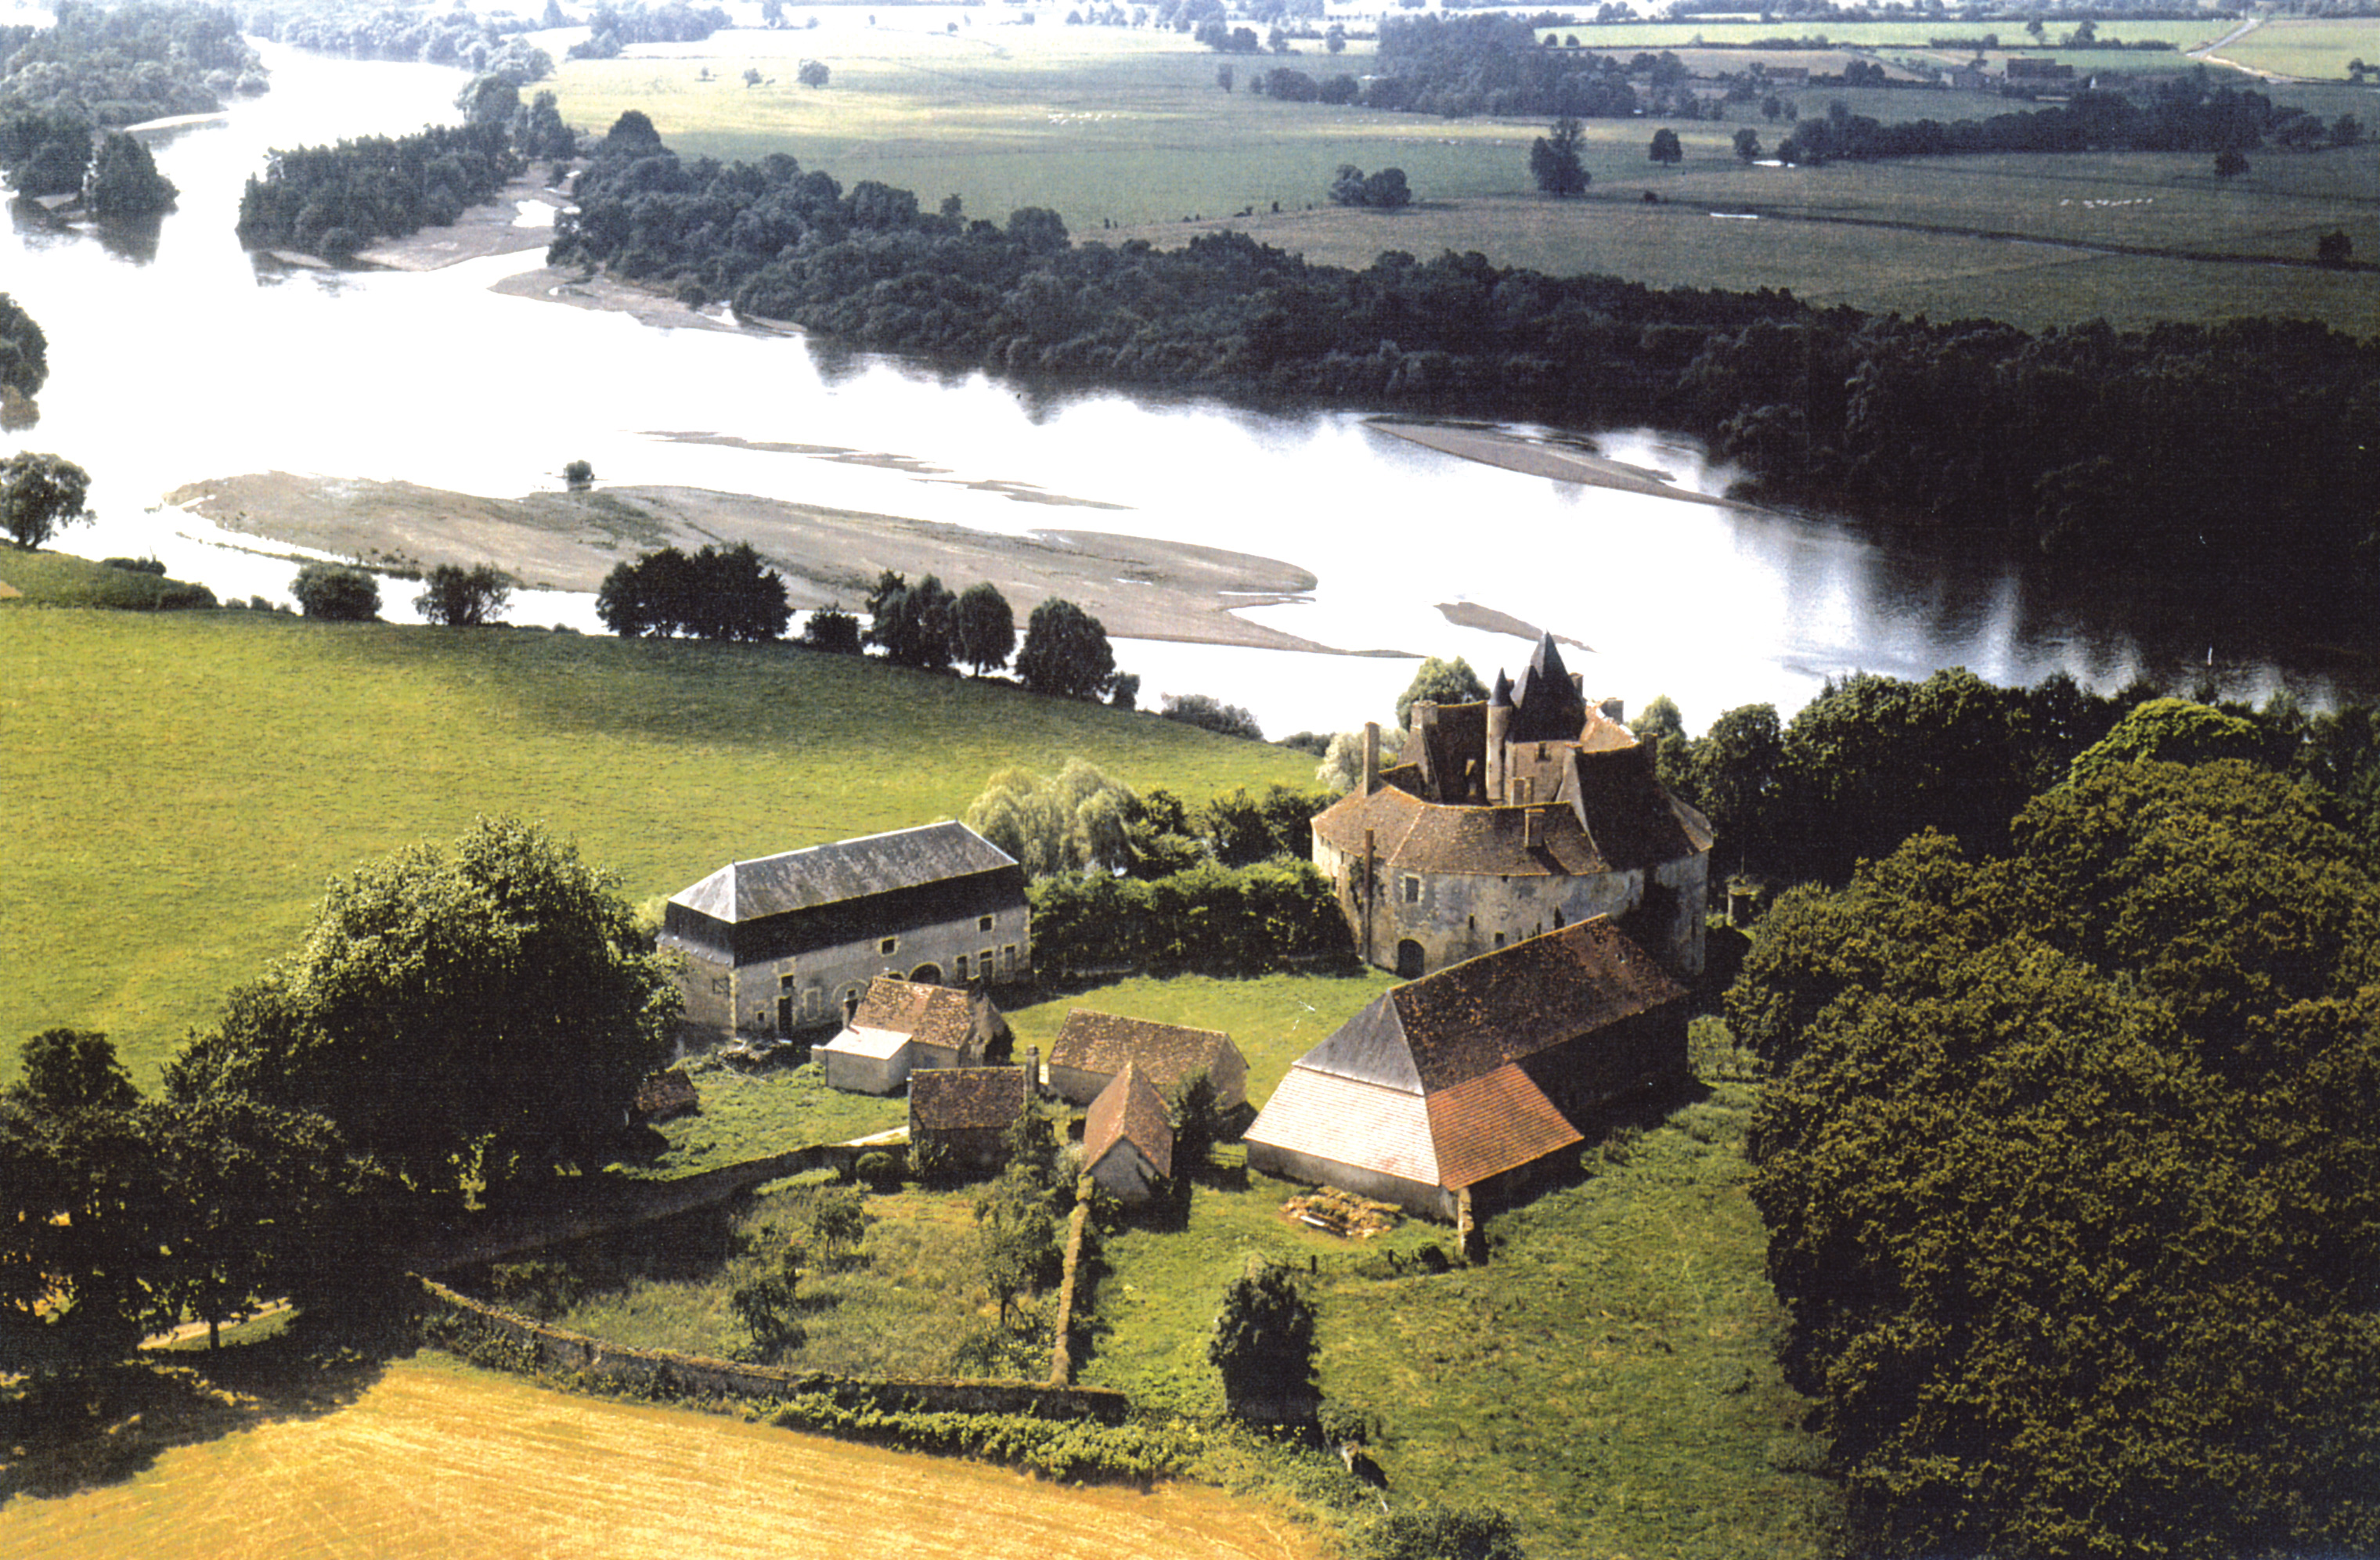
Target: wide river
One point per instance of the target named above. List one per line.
(187, 362)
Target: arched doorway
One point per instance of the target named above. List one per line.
(1410, 959)
(927, 974)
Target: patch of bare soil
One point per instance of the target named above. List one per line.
(1539, 457)
(1137, 587)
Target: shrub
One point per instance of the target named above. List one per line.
(336, 593)
(1211, 714)
(135, 565)
(878, 1172)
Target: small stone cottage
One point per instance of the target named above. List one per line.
(1093, 1048)
(1127, 1140)
(963, 1113)
(1458, 1088)
(900, 1026)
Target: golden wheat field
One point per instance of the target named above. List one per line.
(436, 1459)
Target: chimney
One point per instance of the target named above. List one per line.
(1033, 1071)
(1615, 711)
(1533, 828)
(1371, 757)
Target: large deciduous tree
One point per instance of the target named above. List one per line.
(486, 1008)
(984, 627)
(1666, 148)
(1554, 161)
(24, 349)
(1439, 682)
(914, 625)
(38, 494)
(720, 593)
(2072, 1179)
(1066, 652)
(124, 183)
(459, 598)
(1263, 1346)
(336, 593)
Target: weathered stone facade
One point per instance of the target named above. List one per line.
(1511, 819)
(776, 946)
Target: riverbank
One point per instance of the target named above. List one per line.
(1138, 587)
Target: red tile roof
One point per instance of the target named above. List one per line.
(934, 1015)
(1129, 1111)
(948, 1099)
(1169, 1053)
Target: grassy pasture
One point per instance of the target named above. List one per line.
(437, 1458)
(64, 580)
(182, 785)
(2315, 47)
(1653, 37)
(903, 1311)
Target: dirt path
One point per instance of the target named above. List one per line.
(439, 1460)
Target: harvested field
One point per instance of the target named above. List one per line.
(437, 1458)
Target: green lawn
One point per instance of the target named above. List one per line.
(749, 1116)
(62, 579)
(182, 785)
(2309, 46)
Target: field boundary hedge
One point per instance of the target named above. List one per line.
(500, 1340)
(1074, 1275)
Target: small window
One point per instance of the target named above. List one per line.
(1008, 957)
(1413, 888)
(810, 1002)
(784, 983)
(1499, 940)
(983, 962)
(983, 922)
(962, 967)
(889, 945)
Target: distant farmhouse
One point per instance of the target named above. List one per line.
(964, 1112)
(1127, 1137)
(902, 1026)
(1521, 815)
(1455, 1090)
(1093, 1047)
(780, 944)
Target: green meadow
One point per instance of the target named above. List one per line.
(181, 786)
(1126, 134)
(2316, 47)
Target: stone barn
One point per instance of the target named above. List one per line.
(1505, 819)
(780, 944)
(1455, 1089)
(1093, 1047)
(1127, 1141)
(966, 1112)
(899, 1026)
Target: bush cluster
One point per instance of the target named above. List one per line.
(1210, 918)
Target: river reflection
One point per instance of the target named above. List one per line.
(178, 358)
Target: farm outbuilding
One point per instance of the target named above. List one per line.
(965, 1112)
(780, 944)
(1127, 1140)
(1458, 1086)
(900, 1026)
(1092, 1049)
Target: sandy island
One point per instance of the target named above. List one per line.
(1139, 587)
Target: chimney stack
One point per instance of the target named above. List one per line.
(1371, 757)
(1033, 1071)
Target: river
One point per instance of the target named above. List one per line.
(191, 362)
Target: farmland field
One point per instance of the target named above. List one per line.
(181, 786)
(436, 1459)
(1126, 134)
(2318, 47)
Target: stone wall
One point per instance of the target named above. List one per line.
(1071, 1284)
(490, 1335)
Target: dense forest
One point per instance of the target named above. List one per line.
(432, 35)
(333, 200)
(120, 65)
(2148, 448)
(2181, 114)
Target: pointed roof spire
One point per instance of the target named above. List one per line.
(1503, 697)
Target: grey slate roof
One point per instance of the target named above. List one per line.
(849, 869)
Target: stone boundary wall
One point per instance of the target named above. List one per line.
(533, 1346)
(1078, 1232)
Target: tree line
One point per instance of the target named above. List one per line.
(112, 66)
(331, 201)
(423, 33)
(2183, 115)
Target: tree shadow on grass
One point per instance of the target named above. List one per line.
(67, 1431)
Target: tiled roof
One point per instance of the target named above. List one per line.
(1495, 1122)
(1597, 812)
(1470, 1018)
(1352, 1123)
(1546, 705)
(1168, 1054)
(849, 869)
(933, 1015)
(1129, 1111)
(947, 1099)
